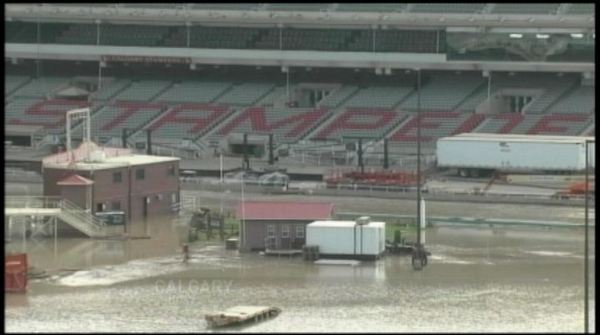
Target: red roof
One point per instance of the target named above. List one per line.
(274, 210)
(75, 179)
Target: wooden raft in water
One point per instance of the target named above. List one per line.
(241, 314)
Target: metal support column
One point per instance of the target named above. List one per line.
(246, 162)
(360, 158)
(55, 238)
(271, 157)
(386, 162)
(124, 137)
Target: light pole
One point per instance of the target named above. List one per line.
(419, 257)
(586, 251)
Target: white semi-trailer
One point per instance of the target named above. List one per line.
(478, 154)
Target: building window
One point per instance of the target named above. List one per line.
(285, 231)
(116, 205)
(117, 177)
(99, 207)
(300, 231)
(271, 231)
(140, 174)
(171, 170)
(173, 198)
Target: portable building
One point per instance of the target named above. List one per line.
(360, 239)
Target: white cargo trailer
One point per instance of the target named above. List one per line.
(347, 238)
(474, 154)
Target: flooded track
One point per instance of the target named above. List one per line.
(477, 280)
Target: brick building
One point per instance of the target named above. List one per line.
(278, 225)
(109, 179)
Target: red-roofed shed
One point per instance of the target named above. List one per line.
(278, 225)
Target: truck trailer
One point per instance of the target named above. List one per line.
(479, 154)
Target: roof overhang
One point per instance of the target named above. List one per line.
(179, 16)
(369, 60)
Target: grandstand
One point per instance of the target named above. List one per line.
(347, 73)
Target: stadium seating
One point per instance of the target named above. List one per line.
(110, 88)
(212, 109)
(338, 96)
(214, 37)
(367, 123)
(378, 97)
(552, 91)
(399, 41)
(500, 123)
(40, 112)
(581, 100)
(143, 90)
(434, 125)
(119, 35)
(559, 124)
(444, 91)
(315, 39)
(41, 87)
(550, 85)
(188, 121)
(79, 34)
(109, 120)
(11, 83)
(287, 125)
(20, 32)
(245, 94)
(132, 35)
(194, 91)
(278, 94)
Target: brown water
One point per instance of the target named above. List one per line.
(477, 280)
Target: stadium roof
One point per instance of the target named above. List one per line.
(550, 15)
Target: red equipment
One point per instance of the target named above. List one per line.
(15, 273)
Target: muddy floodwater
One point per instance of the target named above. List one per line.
(477, 280)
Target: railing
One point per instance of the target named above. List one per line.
(32, 202)
(75, 216)
(82, 220)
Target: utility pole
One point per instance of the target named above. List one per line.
(586, 250)
(419, 257)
